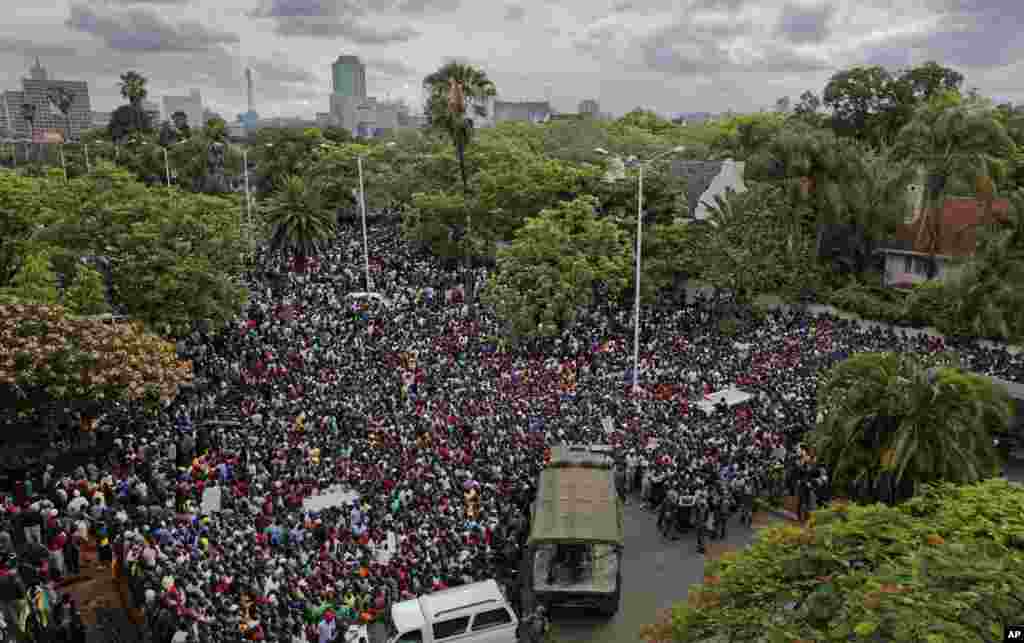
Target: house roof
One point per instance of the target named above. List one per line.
(956, 229)
(699, 176)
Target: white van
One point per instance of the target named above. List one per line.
(474, 613)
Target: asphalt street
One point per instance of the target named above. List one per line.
(656, 573)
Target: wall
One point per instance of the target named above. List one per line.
(730, 176)
(912, 269)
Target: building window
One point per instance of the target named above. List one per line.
(908, 264)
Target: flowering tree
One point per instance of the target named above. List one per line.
(45, 353)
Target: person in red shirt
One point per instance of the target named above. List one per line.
(56, 547)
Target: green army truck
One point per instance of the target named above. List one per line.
(574, 551)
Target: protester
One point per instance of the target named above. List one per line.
(437, 429)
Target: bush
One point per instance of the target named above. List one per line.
(728, 326)
(949, 561)
(858, 300)
(926, 304)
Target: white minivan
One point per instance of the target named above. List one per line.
(474, 613)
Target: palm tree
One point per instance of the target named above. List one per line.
(302, 225)
(28, 112)
(953, 142)
(63, 99)
(133, 89)
(453, 90)
(896, 419)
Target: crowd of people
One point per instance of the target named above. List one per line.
(430, 430)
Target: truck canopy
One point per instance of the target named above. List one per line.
(577, 501)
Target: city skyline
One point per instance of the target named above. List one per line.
(689, 56)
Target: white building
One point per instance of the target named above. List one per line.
(192, 105)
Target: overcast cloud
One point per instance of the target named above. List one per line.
(668, 55)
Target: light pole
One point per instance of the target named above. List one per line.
(639, 252)
(362, 206)
(87, 168)
(63, 165)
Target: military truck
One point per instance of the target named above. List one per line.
(573, 554)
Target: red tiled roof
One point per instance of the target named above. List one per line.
(957, 230)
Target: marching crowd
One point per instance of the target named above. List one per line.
(413, 403)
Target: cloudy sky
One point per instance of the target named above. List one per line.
(668, 55)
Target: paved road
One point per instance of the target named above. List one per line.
(655, 574)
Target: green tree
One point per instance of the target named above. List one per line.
(87, 294)
(216, 129)
(457, 92)
(63, 98)
(961, 146)
(133, 89)
(35, 282)
(944, 566)
(549, 271)
(930, 79)
(985, 299)
(894, 421)
(279, 152)
(51, 356)
(301, 225)
(808, 109)
(180, 121)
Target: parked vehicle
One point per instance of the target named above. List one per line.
(574, 552)
(473, 613)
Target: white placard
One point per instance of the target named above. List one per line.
(606, 422)
(211, 500)
(336, 496)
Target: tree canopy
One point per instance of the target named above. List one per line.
(944, 566)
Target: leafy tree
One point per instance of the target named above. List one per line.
(673, 253)
(133, 89)
(337, 135)
(958, 145)
(755, 244)
(930, 79)
(180, 121)
(943, 566)
(433, 220)
(301, 225)
(808, 109)
(858, 97)
(549, 271)
(985, 300)
(87, 294)
(46, 352)
(743, 136)
(278, 152)
(35, 282)
(894, 421)
(216, 129)
(456, 92)
(63, 98)
(646, 120)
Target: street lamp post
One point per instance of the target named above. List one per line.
(362, 206)
(167, 168)
(63, 165)
(639, 253)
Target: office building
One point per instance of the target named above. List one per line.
(192, 105)
(152, 111)
(589, 107)
(529, 111)
(348, 77)
(37, 90)
(101, 120)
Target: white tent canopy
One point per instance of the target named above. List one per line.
(732, 396)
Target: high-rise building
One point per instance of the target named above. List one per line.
(589, 107)
(38, 89)
(249, 93)
(348, 77)
(192, 105)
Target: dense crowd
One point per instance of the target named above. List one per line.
(436, 426)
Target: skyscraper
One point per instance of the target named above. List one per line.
(589, 107)
(38, 89)
(349, 77)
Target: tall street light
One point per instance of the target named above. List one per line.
(362, 206)
(639, 251)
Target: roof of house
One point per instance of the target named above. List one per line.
(699, 176)
(957, 229)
